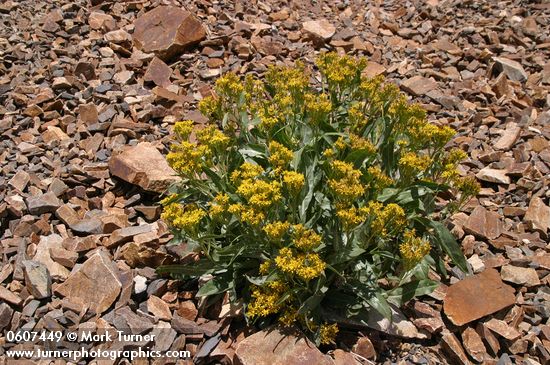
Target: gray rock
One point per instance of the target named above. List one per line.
(37, 279)
(44, 203)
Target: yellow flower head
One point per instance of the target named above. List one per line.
(327, 333)
(305, 239)
(265, 299)
(351, 217)
(412, 164)
(293, 180)
(212, 137)
(413, 249)
(386, 219)
(280, 156)
(187, 158)
(186, 218)
(346, 183)
(306, 266)
(183, 129)
(219, 205)
(276, 230)
(245, 172)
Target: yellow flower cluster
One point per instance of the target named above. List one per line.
(246, 171)
(210, 107)
(265, 299)
(468, 186)
(260, 194)
(179, 217)
(346, 183)
(213, 138)
(183, 129)
(306, 266)
(187, 158)
(229, 85)
(305, 239)
(286, 79)
(412, 164)
(219, 205)
(268, 118)
(280, 156)
(413, 248)
(293, 180)
(422, 132)
(385, 219)
(358, 143)
(352, 216)
(317, 106)
(327, 333)
(340, 70)
(276, 230)
(379, 180)
(247, 214)
(289, 316)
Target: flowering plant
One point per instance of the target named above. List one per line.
(304, 201)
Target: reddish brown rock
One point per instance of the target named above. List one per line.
(493, 176)
(453, 347)
(477, 296)
(95, 284)
(145, 166)
(365, 348)
(509, 136)
(483, 224)
(167, 31)
(319, 30)
(275, 347)
(418, 85)
(503, 329)
(538, 215)
(158, 72)
(159, 308)
(520, 275)
(473, 344)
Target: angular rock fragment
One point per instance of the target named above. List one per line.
(167, 31)
(158, 72)
(538, 215)
(319, 30)
(145, 166)
(493, 176)
(477, 296)
(503, 329)
(511, 68)
(474, 344)
(276, 347)
(44, 203)
(509, 137)
(483, 223)
(95, 284)
(454, 348)
(418, 85)
(520, 275)
(57, 271)
(37, 279)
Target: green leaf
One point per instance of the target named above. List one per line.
(219, 284)
(408, 291)
(448, 244)
(380, 304)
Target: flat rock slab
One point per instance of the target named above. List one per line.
(483, 223)
(274, 347)
(167, 31)
(145, 166)
(418, 85)
(538, 215)
(477, 296)
(95, 284)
